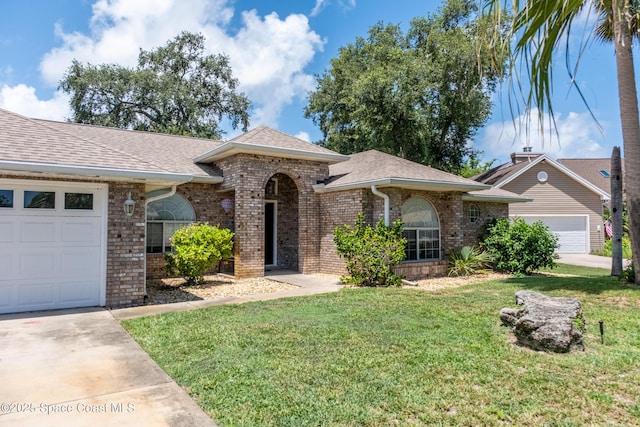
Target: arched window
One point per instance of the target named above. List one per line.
(164, 217)
(421, 229)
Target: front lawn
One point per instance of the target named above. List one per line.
(371, 357)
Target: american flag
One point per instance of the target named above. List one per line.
(608, 229)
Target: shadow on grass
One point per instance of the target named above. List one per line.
(586, 284)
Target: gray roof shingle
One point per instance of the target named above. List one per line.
(369, 167)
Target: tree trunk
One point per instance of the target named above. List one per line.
(630, 122)
(616, 212)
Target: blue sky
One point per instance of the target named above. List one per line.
(275, 48)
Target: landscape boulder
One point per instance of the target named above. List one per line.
(546, 323)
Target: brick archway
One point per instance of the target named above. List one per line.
(281, 228)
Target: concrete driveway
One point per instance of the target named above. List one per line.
(80, 368)
(587, 260)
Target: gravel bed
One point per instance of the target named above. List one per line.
(166, 291)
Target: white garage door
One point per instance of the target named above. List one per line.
(572, 232)
(52, 245)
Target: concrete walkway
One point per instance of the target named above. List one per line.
(80, 367)
(306, 285)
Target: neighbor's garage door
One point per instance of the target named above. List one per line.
(572, 232)
(52, 245)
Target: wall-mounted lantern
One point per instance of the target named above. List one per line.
(129, 205)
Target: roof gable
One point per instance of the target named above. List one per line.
(270, 142)
(506, 173)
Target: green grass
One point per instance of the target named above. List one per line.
(372, 357)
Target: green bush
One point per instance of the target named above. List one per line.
(197, 248)
(607, 251)
(469, 260)
(370, 253)
(520, 248)
(629, 273)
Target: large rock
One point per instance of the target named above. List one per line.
(546, 323)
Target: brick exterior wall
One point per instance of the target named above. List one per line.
(247, 175)
(337, 208)
(488, 211)
(125, 247)
(206, 201)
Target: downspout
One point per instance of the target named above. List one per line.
(146, 204)
(378, 193)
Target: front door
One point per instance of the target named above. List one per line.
(270, 234)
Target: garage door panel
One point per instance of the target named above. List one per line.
(38, 232)
(7, 265)
(8, 296)
(38, 294)
(84, 261)
(7, 233)
(37, 264)
(79, 292)
(87, 231)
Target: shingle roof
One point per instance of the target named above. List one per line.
(500, 173)
(266, 141)
(374, 167)
(86, 149)
(589, 169)
(168, 152)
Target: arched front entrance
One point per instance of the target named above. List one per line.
(281, 223)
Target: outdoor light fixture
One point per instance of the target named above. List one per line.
(129, 205)
(226, 204)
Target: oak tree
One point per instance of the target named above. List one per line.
(176, 88)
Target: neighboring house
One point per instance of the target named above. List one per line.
(86, 212)
(565, 200)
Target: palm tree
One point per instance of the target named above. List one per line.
(539, 26)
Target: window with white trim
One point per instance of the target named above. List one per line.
(164, 217)
(421, 229)
(473, 212)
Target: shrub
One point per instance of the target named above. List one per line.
(521, 248)
(629, 273)
(607, 251)
(370, 253)
(197, 248)
(468, 261)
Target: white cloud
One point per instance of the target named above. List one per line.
(575, 136)
(268, 54)
(321, 4)
(22, 99)
(303, 136)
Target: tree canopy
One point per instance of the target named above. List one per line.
(175, 89)
(419, 95)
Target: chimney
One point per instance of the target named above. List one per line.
(526, 156)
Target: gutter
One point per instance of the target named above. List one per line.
(170, 193)
(404, 183)
(378, 193)
(12, 165)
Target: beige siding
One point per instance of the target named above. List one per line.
(559, 195)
